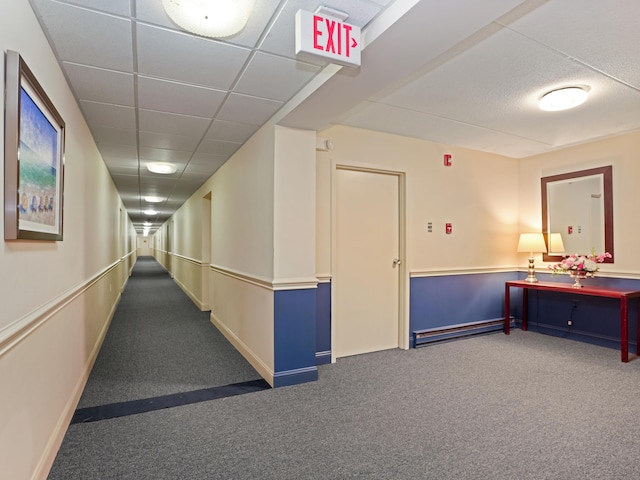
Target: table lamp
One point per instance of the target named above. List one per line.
(555, 243)
(532, 243)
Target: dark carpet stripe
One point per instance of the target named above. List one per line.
(121, 409)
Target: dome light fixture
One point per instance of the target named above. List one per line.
(161, 168)
(563, 98)
(150, 212)
(209, 18)
(151, 199)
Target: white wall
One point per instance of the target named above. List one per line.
(57, 297)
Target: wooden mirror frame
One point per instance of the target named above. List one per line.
(606, 173)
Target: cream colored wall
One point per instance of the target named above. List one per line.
(294, 207)
(477, 194)
(57, 297)
(622, 154)
(242, 208)
(143, 245)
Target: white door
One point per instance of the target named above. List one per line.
(366, 277)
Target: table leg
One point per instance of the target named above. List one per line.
(507, 313)
(638, 331)
(624, 329)
(525, 308)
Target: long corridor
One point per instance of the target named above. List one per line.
(160, 352)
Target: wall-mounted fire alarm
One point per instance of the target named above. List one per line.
(447, 160)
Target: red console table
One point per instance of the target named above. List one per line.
(622, 295)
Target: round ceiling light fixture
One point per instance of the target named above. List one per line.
(161, 168)
(209, 18)
(150, 212)
(153, 199)
(563, 98)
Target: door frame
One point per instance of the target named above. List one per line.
(403, 280)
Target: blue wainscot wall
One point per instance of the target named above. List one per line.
(323, 323)
(451, 306)
(447, 307)
(294, 337)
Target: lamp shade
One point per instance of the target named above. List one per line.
(532, 243)
(555, 243)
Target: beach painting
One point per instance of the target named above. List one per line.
(39, 162)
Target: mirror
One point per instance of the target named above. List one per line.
(579, 206)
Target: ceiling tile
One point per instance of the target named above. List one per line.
(162, 182)
(172, 123)
(114, 135)
(106, 115)
(176, 56)
(217, 147)
(173, 97)
(100, 85)
(119, 7)
(230, 131)
(117, 167)
(163, 155)
(274, 77)
(247, 109)
(125, 152)
(168, 142)
(571, 30)
(401, 121)
(127, 183)
(204, 162)
(508, 103)
(70, 27)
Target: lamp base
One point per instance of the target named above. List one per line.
(531, 272)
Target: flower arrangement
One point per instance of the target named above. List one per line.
(586, 265)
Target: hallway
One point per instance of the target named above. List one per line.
(160, 352)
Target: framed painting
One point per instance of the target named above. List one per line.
(33, 157)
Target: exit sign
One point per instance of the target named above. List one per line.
(327, 37)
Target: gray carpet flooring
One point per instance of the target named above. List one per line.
(524, 406)
(160, 343)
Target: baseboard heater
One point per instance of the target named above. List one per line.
(422, 338)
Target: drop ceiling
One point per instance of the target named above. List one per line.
(459, 72)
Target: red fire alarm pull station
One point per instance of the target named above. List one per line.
(569, 229)
(448, 228)
(447, 160)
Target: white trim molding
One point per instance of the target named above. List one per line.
(324, 277)
(274, 285)
(14, 333)
(294, 283)
(244, 277)
(188, 259)
(460, 271)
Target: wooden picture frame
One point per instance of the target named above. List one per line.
(33, 157)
